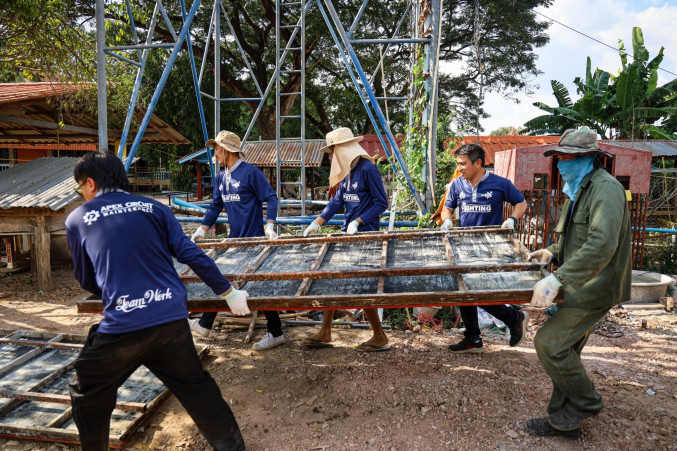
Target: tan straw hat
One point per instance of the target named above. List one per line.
(228, 140)
(341, 135)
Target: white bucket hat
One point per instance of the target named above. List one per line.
(341, 135)
(228, 140)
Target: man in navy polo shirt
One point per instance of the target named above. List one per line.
(241, 189)
(122, 247)
(479, 195)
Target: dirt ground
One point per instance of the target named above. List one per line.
(418, 396)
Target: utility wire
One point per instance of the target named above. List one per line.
(596, 40)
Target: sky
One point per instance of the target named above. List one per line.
(564, 58)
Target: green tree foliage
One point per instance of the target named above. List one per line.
(628, 105)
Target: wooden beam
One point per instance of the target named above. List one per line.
(452, 261)
(307, 282)
(65, 399)
(47, 125)
(388, 272)
(358, 237)
(333, 302)
(42, 249)
(384, 265)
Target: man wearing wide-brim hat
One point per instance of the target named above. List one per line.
(362, 194)
(593, 259)
(241, 189)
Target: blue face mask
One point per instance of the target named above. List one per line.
(573, 172)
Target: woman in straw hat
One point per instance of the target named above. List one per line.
(362, 194)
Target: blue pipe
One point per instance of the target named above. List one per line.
(196, 83)
(376, 125)
(161, 84)
(370, 92)
(651, 229)
(137, 86)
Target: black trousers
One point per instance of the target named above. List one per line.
(508, 315)
(167, 350)
(273, 325)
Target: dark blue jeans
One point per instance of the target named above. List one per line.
(167, 350)
(510, 316)
(274, 324)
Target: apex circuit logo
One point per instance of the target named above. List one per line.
(90, 217)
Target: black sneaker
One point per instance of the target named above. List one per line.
(541, 427)
(568, 418)
(467, 345)
(517, 332)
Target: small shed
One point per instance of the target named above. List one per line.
(35, 199)
(537, 177)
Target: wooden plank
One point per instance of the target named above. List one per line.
(65, 399)
(452, 261)
(61, 419)
(384, 265)
(390, 272)
(330, 302)
(42, 249)
(306, 282)
(360, 236)
(26, 357)
(42, 344)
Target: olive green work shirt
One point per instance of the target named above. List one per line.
(594, 250)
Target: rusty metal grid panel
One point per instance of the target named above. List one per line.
(35, 369)
(466, 266)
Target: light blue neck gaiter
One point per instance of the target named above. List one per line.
(573, 172)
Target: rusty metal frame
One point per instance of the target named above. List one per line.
(301, 300)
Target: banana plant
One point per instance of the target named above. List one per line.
(628, 105)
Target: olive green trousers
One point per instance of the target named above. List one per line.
(559, 343)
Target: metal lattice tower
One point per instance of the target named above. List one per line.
(286, 12)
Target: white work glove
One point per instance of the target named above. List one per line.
(237, 301)
(352, 227)
(199, 233)
(446, 225)
(270, 231)
(541, 255)
(313, 228)
(508, 224)
(545, 291)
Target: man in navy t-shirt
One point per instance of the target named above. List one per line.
(362, 194)
(241, 189)
(479, 197)
(122, 247)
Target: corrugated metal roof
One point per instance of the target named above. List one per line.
(43, 183)
(658, 148)
(263, 154)
(497, 143)
(16, 92)
(29, 112)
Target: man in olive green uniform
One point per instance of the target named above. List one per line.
(594, 258)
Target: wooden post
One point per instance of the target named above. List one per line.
(42, 248)
(9, 245)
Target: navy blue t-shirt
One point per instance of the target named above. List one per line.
(363, 195)
(482, 205)
(242, 198)
(122, 247)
